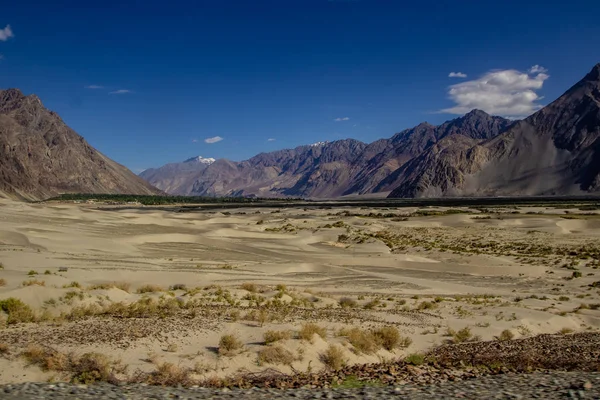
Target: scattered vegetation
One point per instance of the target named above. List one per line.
(86, 369)
(506, 335)
(230, 345)
(415, 359)
(347, 302)
(275, 355)
(150, 289)
(249, 287)
(16, 311)
(276, 336)
(462, 335)
(107, 286)
(370, 341)
(33, 282)
(308, 331)
(334, 357)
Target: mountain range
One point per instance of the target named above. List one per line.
(555, 151)
(40, 156)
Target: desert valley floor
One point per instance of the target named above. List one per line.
(295, 289)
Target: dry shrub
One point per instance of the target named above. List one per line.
(372, 304)
(87, 368)
(178, 286)
(4, 348)
(234, 315)
(309, 330)
(334, 357)
(426, 305)
(275, 355)
(362, 341)
(230, 345)
(250, 287)
(565, 331)
(149, 289)
(46, 358)
(124, 286)
(73, 284)
(281, 287)
(202, 368)
(2, 282)
(347, 302)
(101, 286)
(16, 311)
(389, 338)
(275, 336)
(172, 347)
(95, 367)
(506, 335)
(260, 316)
(369, 342)
(33, 282)
(169, 374)
(461, 336)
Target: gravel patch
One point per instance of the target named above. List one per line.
(554, 385)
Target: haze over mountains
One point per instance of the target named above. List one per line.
(40, 156)
(555, 151)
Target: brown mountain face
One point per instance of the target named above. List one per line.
(322, 170)
(555, 151)
(319, 170)
(40, 156)
(378, 173)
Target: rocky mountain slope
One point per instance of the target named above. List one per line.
(554, 151)
(326, 169)
(40, 156)
(177, 178)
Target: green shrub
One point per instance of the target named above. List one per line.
(17, 311)
(415, 359)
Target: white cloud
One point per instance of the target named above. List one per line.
(194, 140)
(509, 93)
(270, 140)
(121, 91)
(6, 33)
(212, 140)
(457, 75)
(94, 87)
(536, 69)
(341, 119)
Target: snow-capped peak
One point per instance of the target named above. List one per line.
(201, 160)
(318, 144)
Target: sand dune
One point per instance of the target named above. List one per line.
(423, 275)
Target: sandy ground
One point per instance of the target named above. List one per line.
(527, 270)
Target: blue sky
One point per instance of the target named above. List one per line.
(296, 71)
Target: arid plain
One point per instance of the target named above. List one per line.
(219, 293)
